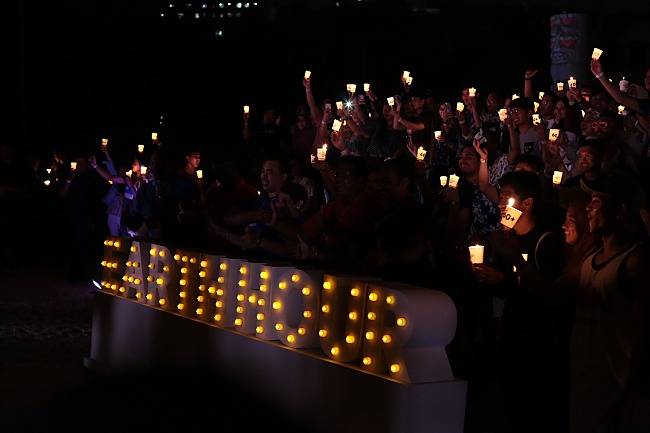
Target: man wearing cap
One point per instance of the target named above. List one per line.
(610, 341)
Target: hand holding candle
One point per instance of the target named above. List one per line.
(460, 106)
(366, 87)
(472, 92)
(421, 154)
(503, 114)
(560, 86)
(453, 181)
(536, 119)
(104, 142)
(572, 82)
(199, 174)
(553, 134)
(140, 148)
(247, 109)
(443, 180)
(307, 75)
(336, 125)
(557, 178)
(391, 101)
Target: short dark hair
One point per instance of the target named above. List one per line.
(523, 102)
(358, 163)
(525, 183)
(532, 159)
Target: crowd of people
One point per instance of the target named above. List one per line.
(553, 321)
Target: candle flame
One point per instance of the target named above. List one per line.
(511, 201)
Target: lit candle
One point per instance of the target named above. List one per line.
(560, 86)
(321, 153)
(453, 180)
(621, 108)
(46, 182)
(49, 170)
(140, 148)
(307, 75)
(443, 180)
(129, 173)
(557, 177)
(596, 53)
(336, 125)
(536, 119)
(437, 134)
(514, 96)
(247, 109)
(154, 136)
(511, 215)
(472, 92)
(73, 165)
(541, 95)
(353, 88)
(622, 85)
(409, 80)
(503, 114)
(143, 170)
(366, 87)
(339, 105)
(553, 134)
(535, 106)
(421, 154)
(572, 82)
(406, 74)
(199, 174)
(104, 141)
(391, 101)
(476, 254)
(460, 106)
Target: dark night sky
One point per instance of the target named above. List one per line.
(81, 71)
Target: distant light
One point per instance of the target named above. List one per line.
(238, 5)
(171, 5)
(218, 33)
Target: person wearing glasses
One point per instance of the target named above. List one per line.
(530, 138)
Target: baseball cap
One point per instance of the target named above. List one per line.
(621, 187)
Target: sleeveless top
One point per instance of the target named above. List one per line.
(601, 341)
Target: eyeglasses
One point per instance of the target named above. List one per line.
(517, 110)
(599, 124)
(585, 156)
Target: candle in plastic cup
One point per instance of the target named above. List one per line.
(472, 92)
(437, 134)
(336, 125)
(307, 75)
(622, 85)
(353, 88)
(596, 53)
(409, 80)
(553, 134)
(503, 114)
(541, 95)
(514, 96)
(572, 82)
(557, 177)
(460, 106)
(421, 154)
(621, 108)
(406, 74)
(247, 109)
(140, 148)
(560, 86)
(129, 173)
(453, 180)
(199, 174)
(73, 165)
(476, 254)
(104, 141)
(339, 105)
(366, 87)
(391, 101)
(46, 182)
(154, 136)
(536, 119)
(511, 215)
(443, 180)
(535, 106)
(143, 170)
(321, 153)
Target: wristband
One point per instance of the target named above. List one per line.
(307, 90)
(600, 75)
(483, 161)
(95, 166)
